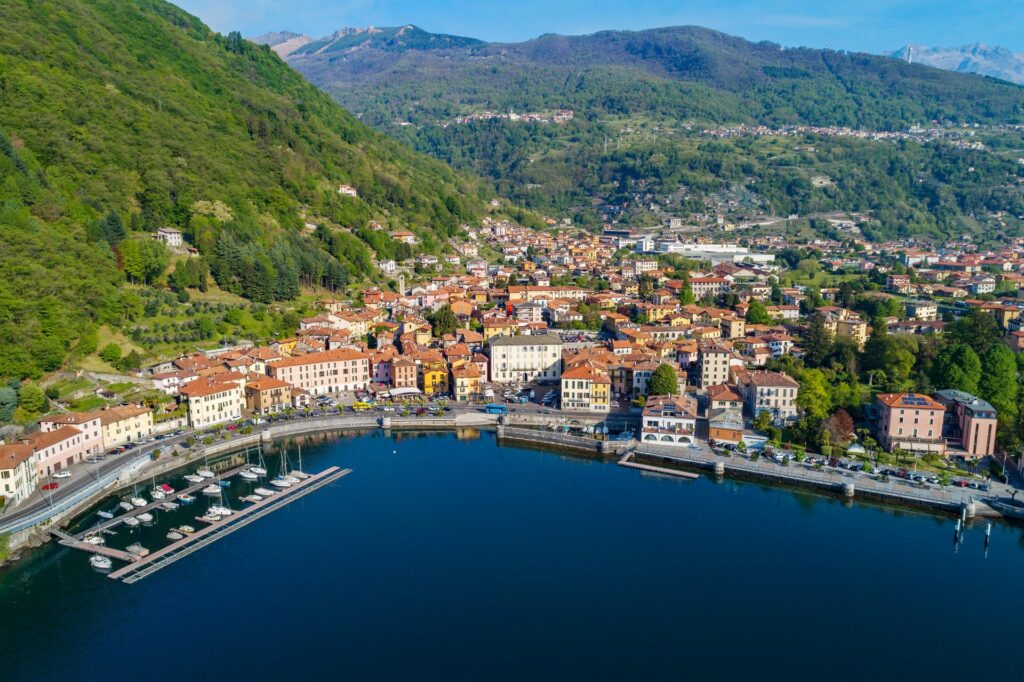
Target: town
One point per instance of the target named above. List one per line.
(894, 353)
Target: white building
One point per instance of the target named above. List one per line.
(329, 371)
(526, 358)
(670, 420)
(17, 472)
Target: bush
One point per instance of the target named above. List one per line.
(826, 450)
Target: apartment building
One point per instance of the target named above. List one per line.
(213, 402)
(584, 388)
(670, 420)
(324, 372)
(771, 392)
(910, 421)
(970, 421)
(89, 425)
(526, 358)
(267, 395)
(18, 474)
(712, 364)
(125, 424)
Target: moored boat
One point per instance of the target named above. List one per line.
(187, 530)
(185, 498)
(193, 478)
(131, 521)
(138, 501)
(248, 475)
(206, 473)
(126, 506)
(174, 535)
(100, 563)
(208, 518)
(258, 470)
(265, 492)
(251, 498)
(145, 517)
(220, 510)
(137, 549)
(105, 514)
(281, 483)
(169, 506)
(211, 489)
(157, 494)
(94, 540)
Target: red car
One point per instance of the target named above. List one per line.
(51, 486)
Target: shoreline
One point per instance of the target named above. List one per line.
(38, 535)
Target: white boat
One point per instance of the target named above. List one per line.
(169, 506)
(298, 475)
(174, 535)
(94, 540)
(187, 530)
(137, 549)
(100, 563)
(105, 514)
(258, 470)
(206, 473)
(213, 489)
(251, 498)
(193, 478)
(248, 475)
(265, 492)
(131, 521)
(157, 494)
(208, 518)
(138, 501)
(127, 506)
(185, 499)
(145, 517)
(281, 483)
(220, 510)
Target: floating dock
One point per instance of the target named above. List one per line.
(627, 461)
(142, 567)
(71, 541)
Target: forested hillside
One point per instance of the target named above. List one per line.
(641, 100)
(118, 117)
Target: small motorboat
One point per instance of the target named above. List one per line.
(248, 475)
(211, 489)
(105, 515)
(259, 471)
(137, 549)
(100, 563)
(145, 517)
(291, 479)
(208, 518)
(265, 492)
(126, 506)
(193, 478)
(281, 483)
(138, 501)
(251, 498)
(186, 499)
(165, 489)
(169, 506)
(187, 530)
(131, 521)
(298, 475)
(174, 535)
(94, 540)
(206, 473)
(157, 494)
(220, 510)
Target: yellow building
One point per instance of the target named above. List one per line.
(466, 380)
(586, 389)
(126, 424)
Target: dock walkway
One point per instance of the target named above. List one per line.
(155, 505)
(70, 541)
(190, 543)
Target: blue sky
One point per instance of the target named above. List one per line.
(867, 25)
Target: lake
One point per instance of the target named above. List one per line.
(457, 559)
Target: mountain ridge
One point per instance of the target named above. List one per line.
(977, 58)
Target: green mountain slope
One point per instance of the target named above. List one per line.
(118, 117)
(641, 99)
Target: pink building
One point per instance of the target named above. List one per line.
(57, 448)
(89, 423)
(910, 421)
(970, 420)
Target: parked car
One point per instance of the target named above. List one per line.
(62, 474)
(52, 485)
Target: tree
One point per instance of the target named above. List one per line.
(977, 329)
(686, 296)
(111, 353)
(443, 321)
(31, 398)
(757, 313)
(663, 381)
(144, 260)
(817, 343)
(840, 426)
(763, 421)
(998, 383)
(957, 367)
(813, 397)
(845, 296)
(8, 403)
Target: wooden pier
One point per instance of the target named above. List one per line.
(155, 505)
(142, 567)
(70, 541)
(627, 461)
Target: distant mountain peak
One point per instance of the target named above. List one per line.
(978, 58)
(283, 42)
(383, 38)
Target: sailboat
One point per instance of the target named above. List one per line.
(259, 469)
(100, 563)
(212, 489)
(131, 521)
(155, 491)
(298, 475)
(264, 492)
(283, 480)
(193, 478)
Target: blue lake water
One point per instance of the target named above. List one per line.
(440, 558)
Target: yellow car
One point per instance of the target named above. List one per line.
(360, 406)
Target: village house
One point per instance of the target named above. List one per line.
(324, 372)
(584, 388)
(670, 420)
(771, 392)
(212, 402)
(18, 472)
(526, 358)
(267, 395)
